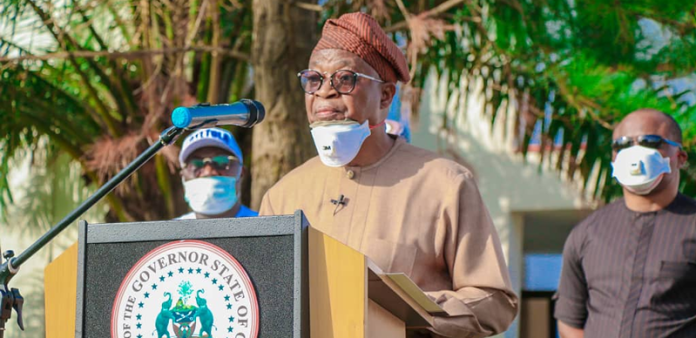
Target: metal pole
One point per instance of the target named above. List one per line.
(9, 268)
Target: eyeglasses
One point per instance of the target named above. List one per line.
(342, 80)
(648, 141)
(220, 162)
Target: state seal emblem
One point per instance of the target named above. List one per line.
(186, 289)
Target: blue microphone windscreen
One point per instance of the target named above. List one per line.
(181, 117)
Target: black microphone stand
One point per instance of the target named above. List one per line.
(11, 298)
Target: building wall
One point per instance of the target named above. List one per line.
(508, 185)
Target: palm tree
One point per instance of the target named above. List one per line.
(284, 37)
(102, 85)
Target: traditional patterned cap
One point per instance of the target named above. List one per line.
(361, 35)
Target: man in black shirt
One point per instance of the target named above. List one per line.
(629, 269)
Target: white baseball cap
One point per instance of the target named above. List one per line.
(210, 137)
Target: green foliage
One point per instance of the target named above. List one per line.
(574, 68)
(97, 79)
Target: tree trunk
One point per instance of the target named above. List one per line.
(283, 38)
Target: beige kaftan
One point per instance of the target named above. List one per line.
(417, 213)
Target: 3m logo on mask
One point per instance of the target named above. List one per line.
(186, 289)
(338, 144)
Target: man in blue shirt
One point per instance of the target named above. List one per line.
(212, 167)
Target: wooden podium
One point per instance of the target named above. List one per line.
(349, 298)
(348, 295)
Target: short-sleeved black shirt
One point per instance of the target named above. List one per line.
(631, 275)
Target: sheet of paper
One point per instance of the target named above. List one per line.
(413, 291)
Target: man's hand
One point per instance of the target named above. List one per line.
(567, 331)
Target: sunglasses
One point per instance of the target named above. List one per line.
(220, 162)
(342, 80)
(648, 141)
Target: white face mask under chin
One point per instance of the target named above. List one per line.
(640, 169)
(339, 144)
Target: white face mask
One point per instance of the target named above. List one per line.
(338, 144)
(640, 169)
(211, 195)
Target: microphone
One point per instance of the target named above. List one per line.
(341, 201)
(244, 113)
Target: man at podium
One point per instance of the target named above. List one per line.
(211, 170)
(407, 209)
